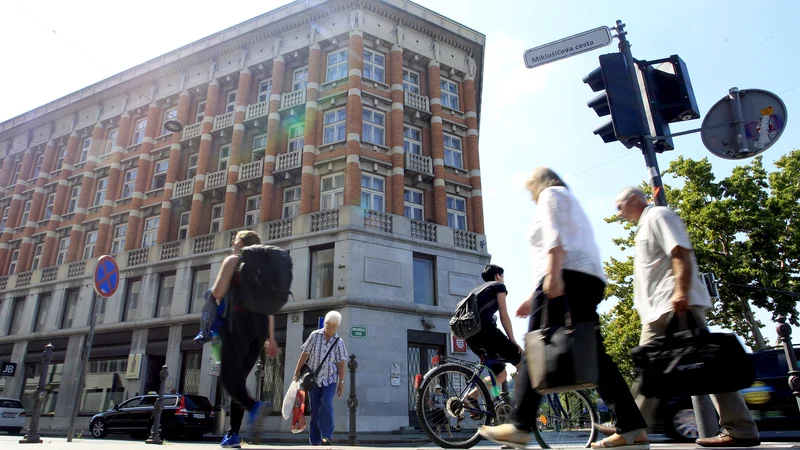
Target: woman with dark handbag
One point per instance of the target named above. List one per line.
(320, 372)
(570, 281)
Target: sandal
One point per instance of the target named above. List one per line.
(627, 438)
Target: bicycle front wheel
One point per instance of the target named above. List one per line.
(444, 412)
(566, 420)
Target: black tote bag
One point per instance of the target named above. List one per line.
(563, 357)
(692, 362)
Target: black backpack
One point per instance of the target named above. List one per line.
(466, 321)
(265, 279)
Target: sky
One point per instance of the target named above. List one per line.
(534, 117)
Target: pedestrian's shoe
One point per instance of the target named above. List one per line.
(256, 416)
(326, 442)
(627, 440)
(506, 434)
(726, 440)
(231, 440)
(606, 431)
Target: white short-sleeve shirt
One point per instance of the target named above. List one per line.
(660, 231)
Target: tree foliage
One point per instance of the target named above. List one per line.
(744, 228)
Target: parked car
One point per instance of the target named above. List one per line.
(12, 416)
(769, 399)
(183, 415)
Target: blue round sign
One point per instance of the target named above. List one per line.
(106, 276)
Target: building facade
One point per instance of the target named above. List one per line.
(345, 132)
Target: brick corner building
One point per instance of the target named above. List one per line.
(344, 132)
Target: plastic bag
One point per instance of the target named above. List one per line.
(288, 401)
(299, 412)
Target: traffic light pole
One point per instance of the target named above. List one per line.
(649, 150)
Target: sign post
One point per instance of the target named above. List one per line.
(106, 282)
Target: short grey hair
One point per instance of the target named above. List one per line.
(333, 317)
(629, 192)
(541, 179)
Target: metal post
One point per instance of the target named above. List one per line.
(738, 122)
(352, 402)
(32, 437)
(785, 336)
(155, 431)
(259, 378)
(87, 348)
(649, 150)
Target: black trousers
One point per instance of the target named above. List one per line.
(243, 338)
(584, 292)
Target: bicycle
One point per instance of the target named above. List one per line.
(564, 420)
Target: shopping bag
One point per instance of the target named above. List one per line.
(212, 317)
(289, 400)
(299, 412)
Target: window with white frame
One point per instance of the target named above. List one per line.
(259, 145)
(12, 266)
(160, 174)
(217, 214)
(191, 169)
(15, 176)
(118, 243)
(334, 126)
(150, 231)
(48, 207)
(129, 185)
(331, 192)
(200, 112)
(230, 101)
(412, 140)
(62, 153)
(297, 135)
(224, 157)
(37, 256)
(411, 81)
(252, 211)
(138, 131)
(264, 90)
(300, 78)
(291, 202)
(374, 66)
(26, 212)
(85, 146)
(337, 65)
(63, 246)
(373, 127)
(449, 94)
(183, 226)
(100, 192)
(37, 168)
(456, 212)
(373, 194)
(170, 114)
(4, 220)
(88, 246)
(111, 141)
(452, 152)
(74, 197)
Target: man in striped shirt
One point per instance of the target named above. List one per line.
(330, 379)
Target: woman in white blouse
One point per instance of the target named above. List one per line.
(567, 269)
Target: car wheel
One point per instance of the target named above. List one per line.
(98, 429)
(15, 431)
(683, 425)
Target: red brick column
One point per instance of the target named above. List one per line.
(355, 66)
(396, 127)
(25, 253)
(15, 212)
(473, 159)
(273, 139)
(133, 239)
(165, 217)
(49, 252)
(104, 230)
(196, 214)
(237, 140)
(311, 140)
(437, 144)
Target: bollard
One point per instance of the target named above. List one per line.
(32, 436)
(155, 433)
(352, 401)
(785, 336)
(706, 416)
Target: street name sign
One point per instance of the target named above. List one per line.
(358, 331)
(569, 46)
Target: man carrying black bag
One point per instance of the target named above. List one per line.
(667, 282)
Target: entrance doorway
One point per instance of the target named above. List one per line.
(423, 346)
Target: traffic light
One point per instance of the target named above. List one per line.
(618, 100)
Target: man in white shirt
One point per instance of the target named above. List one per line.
(666, 279)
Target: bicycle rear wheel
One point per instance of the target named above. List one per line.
(566, 420)
(445, 416)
